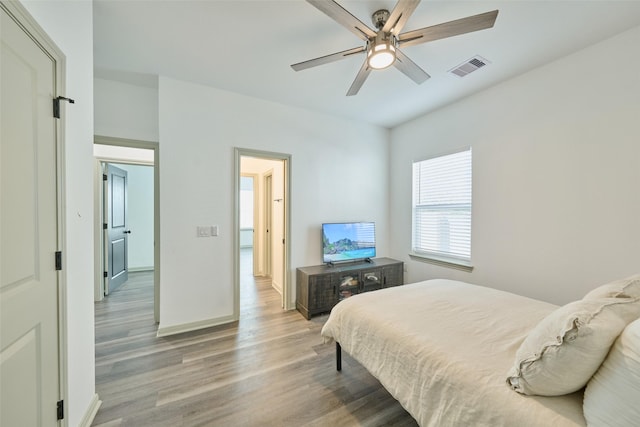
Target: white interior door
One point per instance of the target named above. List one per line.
(117, 232)
(29, 365)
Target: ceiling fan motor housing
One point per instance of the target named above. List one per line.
(380, 17)
(381, 49)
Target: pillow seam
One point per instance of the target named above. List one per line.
(546, 346)
(624, 288)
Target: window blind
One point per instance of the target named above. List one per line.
(442, 206)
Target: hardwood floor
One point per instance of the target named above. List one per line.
(269, 369)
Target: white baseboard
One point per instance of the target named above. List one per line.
(137, 269)
(91, 412)
(277, 287)
(193, 326)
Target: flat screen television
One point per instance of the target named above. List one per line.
(348, 241)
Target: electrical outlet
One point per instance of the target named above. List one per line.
(214, 230)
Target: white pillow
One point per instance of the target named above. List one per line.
(623, 288)
(612, 396)
(565, 349)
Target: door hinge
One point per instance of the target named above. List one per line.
(60, 409)
(56, 105)
(105, 226)
(58, 261)
(105, 274)
(104, 177)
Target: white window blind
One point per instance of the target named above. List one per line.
(442, 206)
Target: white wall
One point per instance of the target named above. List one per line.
(125, 110)
(140, 216)
(556, 175)
(338, 167)
(70, 25)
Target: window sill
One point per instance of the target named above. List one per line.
(458, 264)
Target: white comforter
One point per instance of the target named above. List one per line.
(443, 349)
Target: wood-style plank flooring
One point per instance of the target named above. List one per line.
(269, 369)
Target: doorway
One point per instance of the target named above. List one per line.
(139, 159)
(269, 253)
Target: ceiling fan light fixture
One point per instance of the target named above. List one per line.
(382, 46)
(381, 53)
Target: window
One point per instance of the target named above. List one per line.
(246, 202)
(442, 208)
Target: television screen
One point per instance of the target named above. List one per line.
(348, 241)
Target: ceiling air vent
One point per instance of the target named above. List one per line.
(469, 66)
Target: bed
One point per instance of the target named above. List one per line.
(444, 348)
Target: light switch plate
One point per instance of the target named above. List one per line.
(203, 231)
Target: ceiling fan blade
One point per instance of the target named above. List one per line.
(339, 14)
(409, 68)
(448, 29)
(327, 58)
(360, 78)
(399, 16)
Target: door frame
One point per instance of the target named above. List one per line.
(99, 220)
(286, 285)
(41, 38)
(267, 185)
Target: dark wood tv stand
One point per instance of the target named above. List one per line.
(320, 287)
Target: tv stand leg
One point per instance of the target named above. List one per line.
(338, 357)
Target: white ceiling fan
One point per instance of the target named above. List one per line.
(383, 46)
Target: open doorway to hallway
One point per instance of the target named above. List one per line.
(129, 218)
(262, 219)
(126, 215)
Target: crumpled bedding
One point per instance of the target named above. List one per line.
(443, 349)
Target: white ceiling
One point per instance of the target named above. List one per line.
(247, 47)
